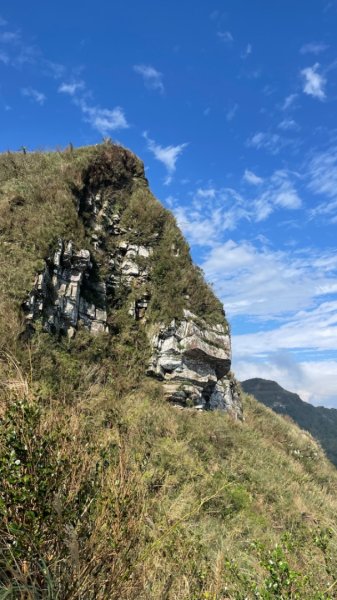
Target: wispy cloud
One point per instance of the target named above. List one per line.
(225, 36)
(3, 22)
(17, 51)
(272, 142)
(313, 48)
(232, 112)
(213, 212)
(280, 192)
(152, 78)
(9, 37)
(34, 95)
(167, 155)
(104, 120)
(314, 83)
(248, 50)
(71, 88)
(289, 101)
(250, 177)
(288, 124)
(256, 281)
(322, 180)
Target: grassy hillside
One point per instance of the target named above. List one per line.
(109, 492)
(106, 490)
(321, 422)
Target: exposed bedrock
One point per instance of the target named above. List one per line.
(60, 296)
(193, 359)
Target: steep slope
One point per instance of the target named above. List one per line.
(108, 491)
(86, 247)
(319, 421)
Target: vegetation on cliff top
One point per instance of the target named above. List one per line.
(41, 200)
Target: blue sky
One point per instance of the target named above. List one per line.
(232, 107)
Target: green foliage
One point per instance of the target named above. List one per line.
(282, 581)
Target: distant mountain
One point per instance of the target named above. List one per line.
(319, 421)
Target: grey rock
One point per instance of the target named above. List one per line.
(193, 359)
(57, 299)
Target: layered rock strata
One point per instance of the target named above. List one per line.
(193, 359)
(59, 299)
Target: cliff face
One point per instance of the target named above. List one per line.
(131, 257)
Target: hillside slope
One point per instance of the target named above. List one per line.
(108, 491)
(321, 422)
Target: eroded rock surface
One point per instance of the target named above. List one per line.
(193, 359)
(60, 294)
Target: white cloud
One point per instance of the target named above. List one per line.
(260, 282)
(167, 155)
(308, 334)
(214, 211)
(232, 112)
(289, 101)
(152, 78)
(282, 192)
(250, 177)
(313, 48)
(322, 172)
(288, 125)
(314, 83)
(104, 120)
(35, 95)
(71, 88)
(206, 192)
(322, 180)
(272, 142)
(225, 36)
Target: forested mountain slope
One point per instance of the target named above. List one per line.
(321, 422)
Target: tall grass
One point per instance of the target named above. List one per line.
(123, 496)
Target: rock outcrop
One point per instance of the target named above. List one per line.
(193, 359)
(83, 287)
(59, 299)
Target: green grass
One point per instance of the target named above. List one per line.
(119, 495)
